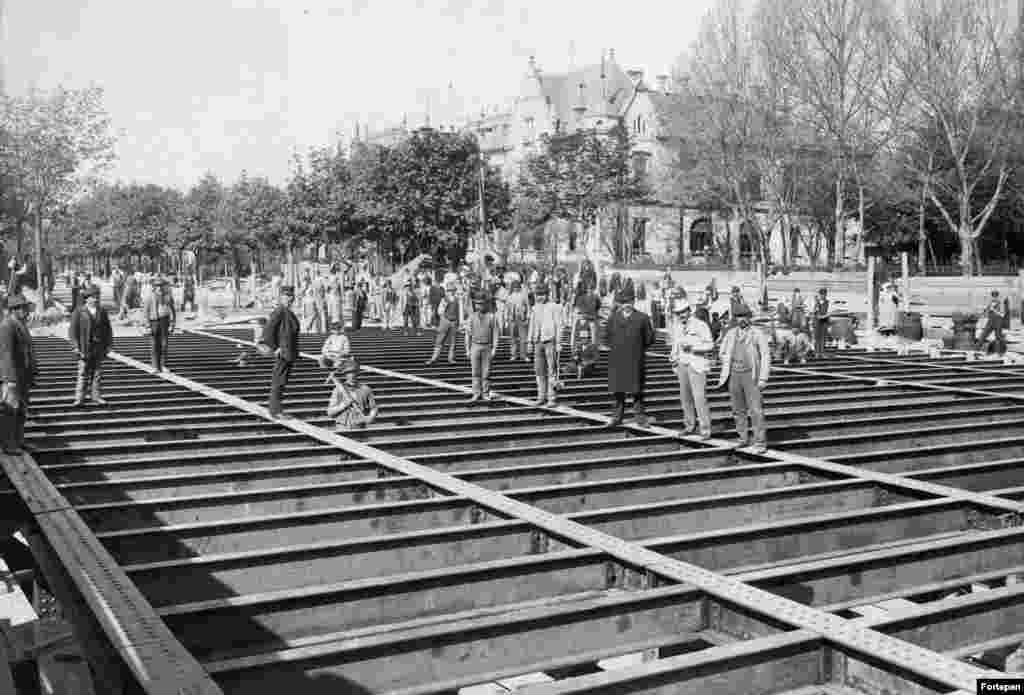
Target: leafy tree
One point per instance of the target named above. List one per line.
(53, 143)
(576, 176)
(203, 219)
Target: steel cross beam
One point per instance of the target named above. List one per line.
(957, 367)
(902, 654)
(152, 654)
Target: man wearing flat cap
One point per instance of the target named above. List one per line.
(91, 337)
(544, 336)
(159, 312)
(629, 335)
(746, 362)
(18, 370)
(281, 336)
(482, 333)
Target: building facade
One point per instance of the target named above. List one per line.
(661, 229)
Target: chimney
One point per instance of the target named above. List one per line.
(635, 76)
(611, 55)
(581, 106)
(662, 82)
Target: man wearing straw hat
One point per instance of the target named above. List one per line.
(691, 345)
(352, 404)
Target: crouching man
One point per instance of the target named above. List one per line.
(352, 404)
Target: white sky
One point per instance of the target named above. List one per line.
(227, 85)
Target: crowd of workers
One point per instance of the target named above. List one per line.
(538, 310)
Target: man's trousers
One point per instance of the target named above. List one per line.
(747, 408)
(448, 330)
(90, 377)
(545, 366)
(160, 329)
(693, 397)
(282, 370)
(517, 342)
(480, 364)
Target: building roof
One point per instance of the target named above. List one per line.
(602, 96)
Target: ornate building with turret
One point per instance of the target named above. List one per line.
(596, 96)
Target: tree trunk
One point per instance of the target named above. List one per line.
(290, 265)
(39, 256)
(840, 232)
(733, 235)
(860, 218)
(922, 237)
(871, 292)
(905, 274)
(966, 252)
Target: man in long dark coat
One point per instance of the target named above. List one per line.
(91, 338)
(281, 336)
(17, 374)
(629, 335)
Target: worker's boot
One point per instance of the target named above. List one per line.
(641, 413)
(542, 390)
(97, 388)
(617, 413)
(79, 390)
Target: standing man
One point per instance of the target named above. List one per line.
(629, 335)
(544, 332)
(410, 310)
(518, 306)
(281, 335)
(588, 306)
(746, 362)
(995, 313)
(691, 344)
(820, 322)
(359, 300)
(451, 312)
(117, 280)
(18, 372)
(161, 316)
(482, 334)
(91, 338)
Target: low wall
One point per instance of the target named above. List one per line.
(934, 295)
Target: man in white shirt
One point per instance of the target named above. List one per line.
(336, 349)
(544, 333)
(691, 345)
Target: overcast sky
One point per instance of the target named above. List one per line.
(227, 85)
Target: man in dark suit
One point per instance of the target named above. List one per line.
(17, 374)
(91, 337)
(281, 336)
(629, 335)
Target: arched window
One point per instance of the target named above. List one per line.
(701, 237)
(747, 239)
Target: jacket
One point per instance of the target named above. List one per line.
(628, 340)
(91, 335)
(17, 358)
(282, 331)
(152, 305)
(761, 357)
(696, 334)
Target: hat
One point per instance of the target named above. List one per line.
(742, 310)
(91, 291)
(995, 293)
(627, 295)
(542, 289)
(823, 290)
(479, 297)
(680, 306)
(735, 289)
(288, 290)
(16, 300)
(336, 325)
(349, 366)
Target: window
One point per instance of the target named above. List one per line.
(572, 237)
(700, 238)
(639, 236)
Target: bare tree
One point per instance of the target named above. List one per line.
(831, 54)
(733, 121)
(959, 58)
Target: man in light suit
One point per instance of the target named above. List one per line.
(746, 362)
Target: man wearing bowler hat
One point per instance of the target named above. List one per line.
(18, 370)
(91, 337)
(629, 335)
(281, 337)
(746, 361)
(544, 334)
